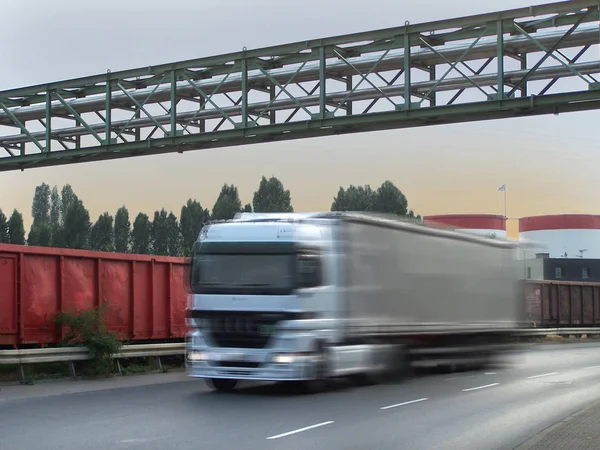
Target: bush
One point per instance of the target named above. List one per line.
(88, 329)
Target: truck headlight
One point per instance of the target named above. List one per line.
(283, 359)
(288, 358)
(196, 356)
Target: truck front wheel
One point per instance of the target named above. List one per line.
(393, 365)
(223, 385)
(321, 382)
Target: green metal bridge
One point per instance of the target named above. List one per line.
(543, 59)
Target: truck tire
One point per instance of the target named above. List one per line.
(221, 384)
(321, 381)
(400, 367)
(397, 367)
(484, 356)
(450, 368)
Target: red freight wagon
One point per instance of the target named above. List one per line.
(146, 295)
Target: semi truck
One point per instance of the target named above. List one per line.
(306, 298)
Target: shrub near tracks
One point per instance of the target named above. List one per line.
(88, 329)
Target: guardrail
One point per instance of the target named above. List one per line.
(533, 332)
(72, 354)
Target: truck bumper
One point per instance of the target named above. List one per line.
(271, 364)
(267, 372)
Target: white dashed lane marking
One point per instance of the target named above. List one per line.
(481, 387)
(542, 375)
(300, 430)
(404, 403)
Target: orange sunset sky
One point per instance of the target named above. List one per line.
(550, 164)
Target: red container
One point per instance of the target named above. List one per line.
(563, 304)
(146, 296)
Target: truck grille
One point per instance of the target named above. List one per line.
(241, 329)
(236, 364)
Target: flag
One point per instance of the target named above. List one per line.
(502, 188)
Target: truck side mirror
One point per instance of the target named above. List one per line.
(309, 271)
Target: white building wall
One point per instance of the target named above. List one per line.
(534, 269)
(565, 243)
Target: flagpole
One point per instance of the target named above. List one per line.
(505, 216)
(503, 189)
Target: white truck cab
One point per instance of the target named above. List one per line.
(262, 300)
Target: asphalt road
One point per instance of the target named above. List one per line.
(496, 409)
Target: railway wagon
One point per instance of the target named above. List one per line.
(146, 296)
(562, 304)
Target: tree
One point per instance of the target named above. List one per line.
(68, 197)
(55, 207)
(55, 217)
(173, 236)
(102, 235)
(71, 226)
(247, 208)
(40, 235)
(76, 226)
(412, 215)
(41, 231)
(271, 197)
(386, 199)
(49, 211)
(122, 230)
(141, 235)
(160, 233)
(16, 229)
(355, 198)
(389, 199)
(228, 203)
(40, 208)
(4, 236)
(192, 219)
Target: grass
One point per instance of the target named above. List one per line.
(34, 372)
(53, 371)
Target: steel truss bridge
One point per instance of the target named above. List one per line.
(543, 59)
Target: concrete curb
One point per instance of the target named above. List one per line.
(535, 440)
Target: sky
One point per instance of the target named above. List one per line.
(549, 164)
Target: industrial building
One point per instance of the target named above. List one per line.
(571, 247)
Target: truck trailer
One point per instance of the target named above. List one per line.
(309, 297)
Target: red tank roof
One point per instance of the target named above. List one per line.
(560, 222)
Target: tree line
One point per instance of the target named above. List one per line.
(60, 218)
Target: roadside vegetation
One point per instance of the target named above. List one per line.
(88, 329)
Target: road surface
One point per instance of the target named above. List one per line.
(495, 409)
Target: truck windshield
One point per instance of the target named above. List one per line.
(266, 271)
(238, 268)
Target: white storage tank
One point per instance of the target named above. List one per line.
(564, 235)
(492, 226)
